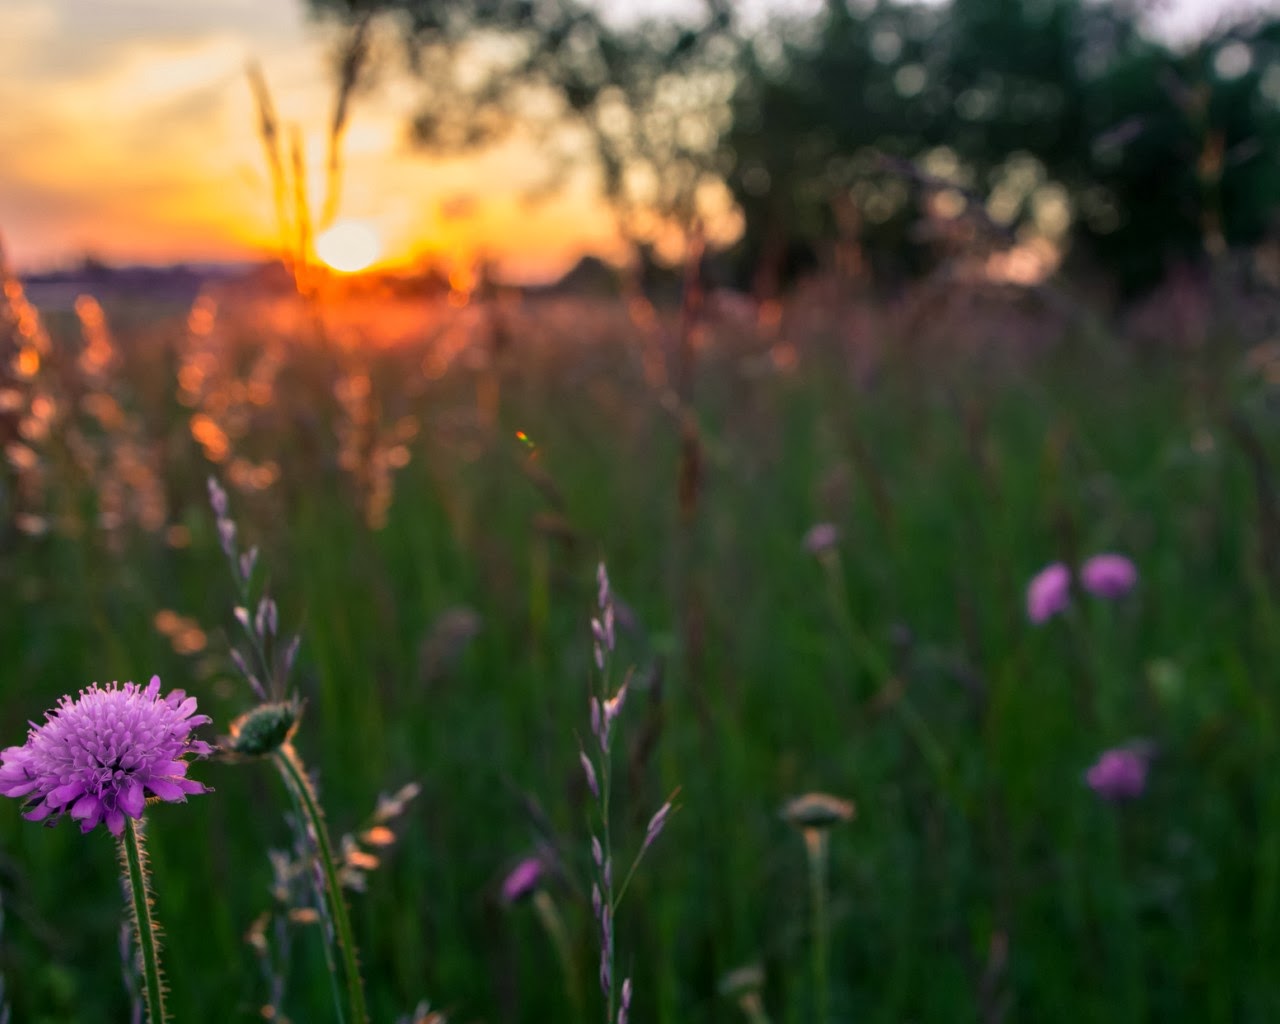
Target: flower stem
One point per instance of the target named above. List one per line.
(295, 777)
(133, 854)
(816, 847)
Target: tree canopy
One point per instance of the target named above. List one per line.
(1057, 118)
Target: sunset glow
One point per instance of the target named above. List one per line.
(166, 163)
(73, 184)
(349, 247)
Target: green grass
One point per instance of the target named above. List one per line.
(952, 479)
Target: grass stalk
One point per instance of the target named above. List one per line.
(874, 663)
(553, 924)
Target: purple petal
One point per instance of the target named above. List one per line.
(186, 707)
(166, 789)
(18, 786)
(38, 813)
(132, 799)
(169, 769)
(65, 794)
(88, 806)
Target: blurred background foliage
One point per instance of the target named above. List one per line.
(1007, 119)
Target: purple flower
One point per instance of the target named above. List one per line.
(1049, 592)
(521, 880)
(821, 537)
(1109, 576)
(99, 756)
(1119, 774)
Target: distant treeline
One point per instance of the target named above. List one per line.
(894, 129)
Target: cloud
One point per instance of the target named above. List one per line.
(30, 27)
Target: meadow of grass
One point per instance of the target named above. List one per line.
(430, 510)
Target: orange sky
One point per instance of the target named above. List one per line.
(128, 131)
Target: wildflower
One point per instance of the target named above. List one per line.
(1119, 774)
(522, 880)
(815, 815)
(97, 757)
(821, 537)
(817, 810)
(1048, 593)
(1110, 576)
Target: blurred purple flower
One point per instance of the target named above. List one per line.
(1119, 774)
(1049, 592)
(522, 880)
(1109, 576)
(821, 537)
(97, 757)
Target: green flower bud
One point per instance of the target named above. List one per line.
(265, 729)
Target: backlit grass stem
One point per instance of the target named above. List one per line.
(291, 769)
(553, 924)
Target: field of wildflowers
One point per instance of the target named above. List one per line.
(930, 672)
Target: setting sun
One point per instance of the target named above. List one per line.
(349, 246)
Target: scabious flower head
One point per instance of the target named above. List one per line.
(99, 756)
(1048, 593)
(1119, 774)
(1110, 576)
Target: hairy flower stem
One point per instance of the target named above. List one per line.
(815, 842)
(134, 859)
(295, 777)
